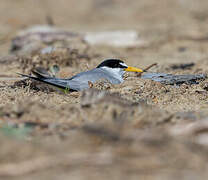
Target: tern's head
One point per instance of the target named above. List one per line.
(117, 67)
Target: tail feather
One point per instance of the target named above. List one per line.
(37, 74)
(44, 80)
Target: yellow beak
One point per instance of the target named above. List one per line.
(133, 69)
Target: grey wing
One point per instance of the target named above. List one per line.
(67, 84)
(80, 81)
(93, 76)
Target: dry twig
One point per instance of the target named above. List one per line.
(147, 68)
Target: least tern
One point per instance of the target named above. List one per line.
(110, 69)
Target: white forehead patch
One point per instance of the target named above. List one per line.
(123, 64)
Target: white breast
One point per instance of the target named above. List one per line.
(117, 73)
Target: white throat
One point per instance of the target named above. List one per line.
(115, 72)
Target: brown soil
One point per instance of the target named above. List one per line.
(136, 130)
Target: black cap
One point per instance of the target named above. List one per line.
(112, 63)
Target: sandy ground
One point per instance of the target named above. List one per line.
(139, 129)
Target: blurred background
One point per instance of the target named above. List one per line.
(153, 19)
